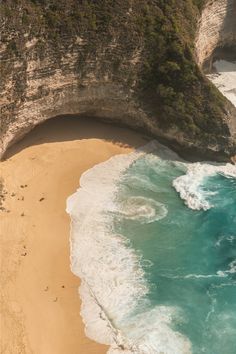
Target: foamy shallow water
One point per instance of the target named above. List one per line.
(140, 252)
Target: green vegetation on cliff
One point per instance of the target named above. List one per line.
(172, 82)
(147, 46)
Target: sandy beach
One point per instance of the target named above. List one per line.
(39, 297)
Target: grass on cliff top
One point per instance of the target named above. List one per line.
(200, 3)
(172, 83)
(167, 80)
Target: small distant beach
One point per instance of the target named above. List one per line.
(224, 78)
(40, 301)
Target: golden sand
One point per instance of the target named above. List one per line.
(40, 305)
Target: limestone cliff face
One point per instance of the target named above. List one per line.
(37, 89)
(127, 62)
(217, 28)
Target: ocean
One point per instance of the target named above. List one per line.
(153, 239)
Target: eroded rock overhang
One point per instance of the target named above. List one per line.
(78, 78)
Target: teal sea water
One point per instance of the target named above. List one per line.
(153, 239)
(188, 255)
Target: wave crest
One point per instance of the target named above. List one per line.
(113, 286)
(189, 185)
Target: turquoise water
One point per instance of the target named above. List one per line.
(189, 256)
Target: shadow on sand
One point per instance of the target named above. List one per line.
(71, 128)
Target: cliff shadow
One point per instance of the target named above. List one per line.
(74, 127)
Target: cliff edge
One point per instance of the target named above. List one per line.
(136, 63)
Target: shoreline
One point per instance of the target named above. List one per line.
(40, 299)
(90, 222)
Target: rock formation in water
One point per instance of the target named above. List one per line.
(136, 63)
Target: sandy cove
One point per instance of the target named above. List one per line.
(39, 298)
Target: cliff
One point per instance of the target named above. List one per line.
(135, 63)
(216, 31)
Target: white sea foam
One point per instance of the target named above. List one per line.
(113, 285)
(142, 182)
(224, 238)
(144, 210)
(225, 79)
(231, 270)
(189, 185)
(232, 267)
(219, 274)
(203, 276)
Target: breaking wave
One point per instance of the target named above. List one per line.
(188, 254)
(189, 186)
(113, 287)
